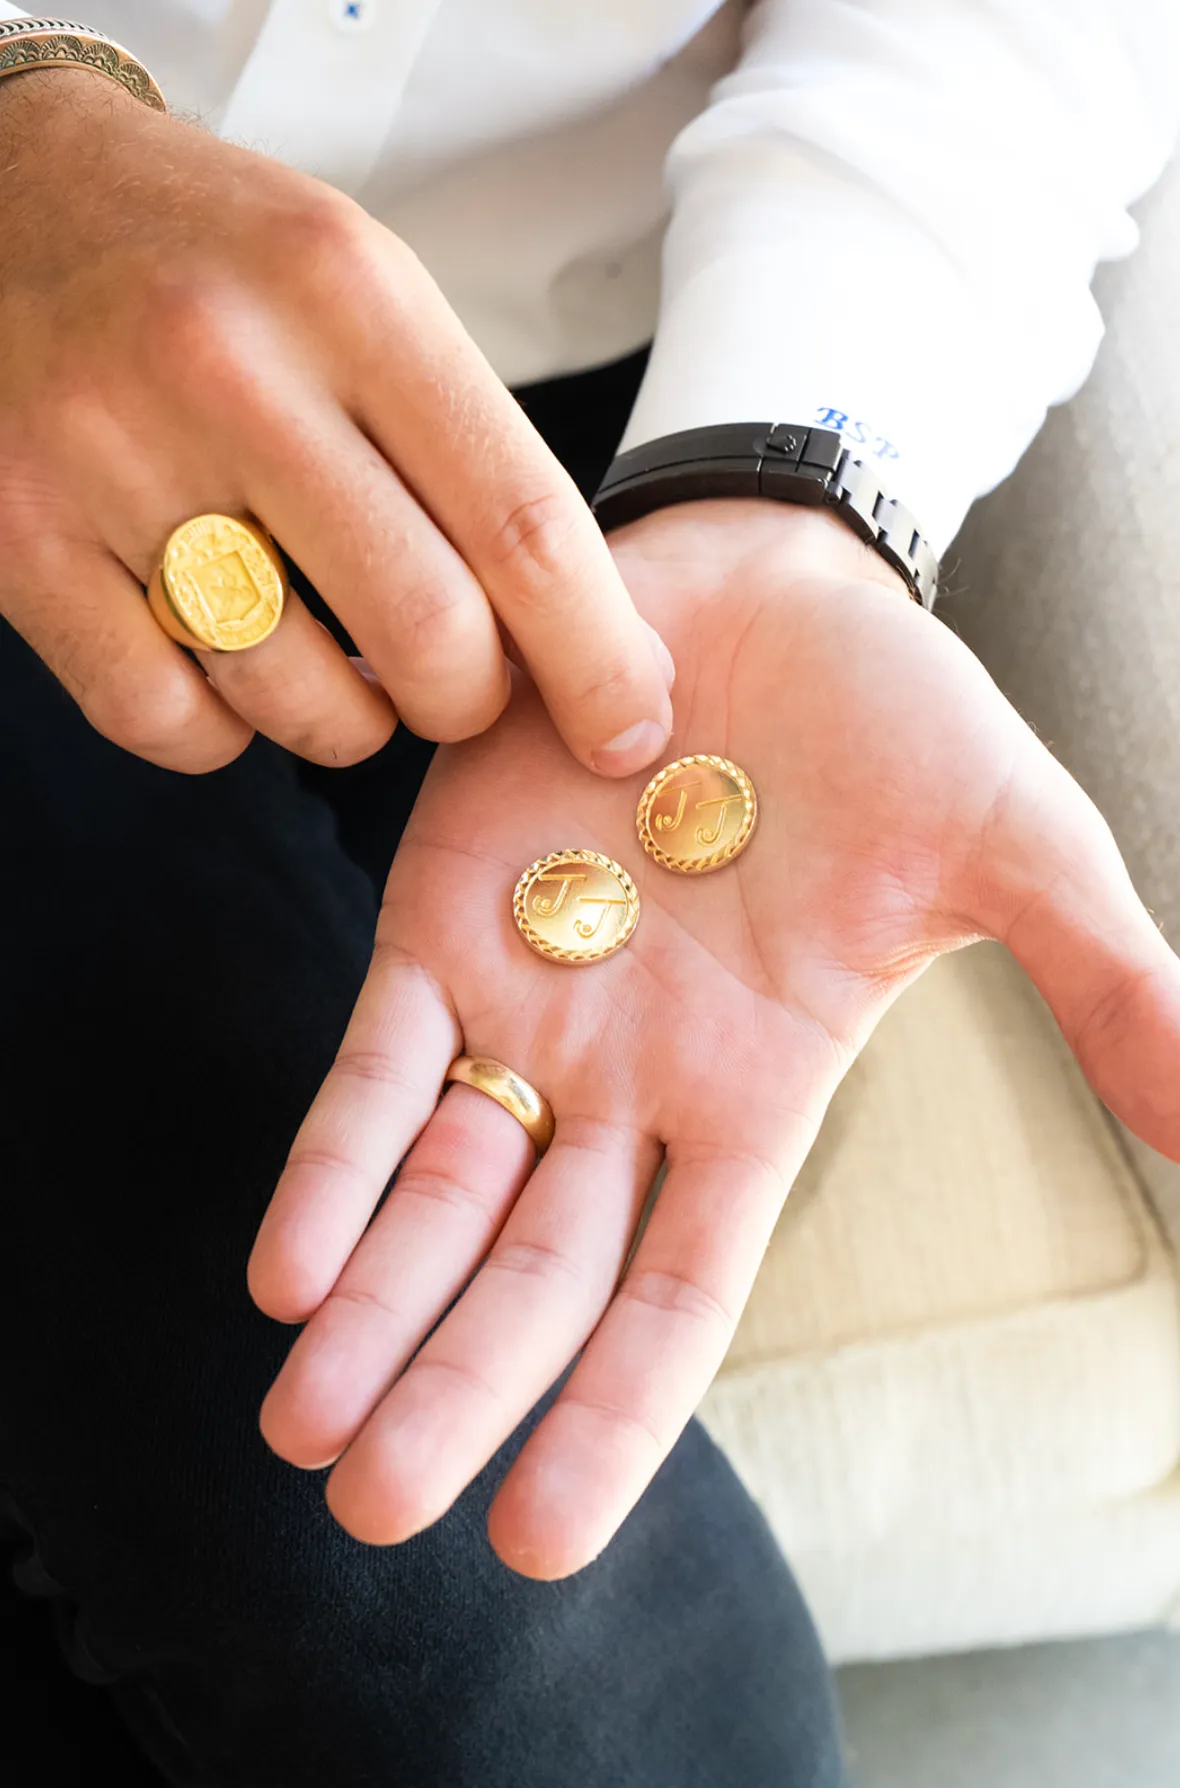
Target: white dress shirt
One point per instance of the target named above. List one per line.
(881, 215)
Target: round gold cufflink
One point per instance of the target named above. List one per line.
(575, 906)
(697, 814)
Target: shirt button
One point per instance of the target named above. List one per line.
(353, 15)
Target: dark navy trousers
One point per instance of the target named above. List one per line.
(180, 958)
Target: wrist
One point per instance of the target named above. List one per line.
(796, 464)
(49, 66)
(44, 107)
(731, 533)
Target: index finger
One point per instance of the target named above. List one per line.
(451, 428)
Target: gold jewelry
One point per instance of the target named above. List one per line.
(220, 585)
(27, 44)
(575, 906)
(697, 814)
(519, 1099)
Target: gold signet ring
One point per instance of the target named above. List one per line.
(575, 906)
(697, 814)
(220, 585)
(519, 1099)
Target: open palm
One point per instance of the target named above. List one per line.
(905, 810)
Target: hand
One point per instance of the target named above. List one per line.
(184, 327)
(906, 810)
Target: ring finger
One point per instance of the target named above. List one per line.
(446, 1208)
(297, 686)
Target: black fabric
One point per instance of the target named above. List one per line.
(181, 956)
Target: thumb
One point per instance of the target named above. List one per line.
(1060, 897)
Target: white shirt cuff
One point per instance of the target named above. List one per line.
(887, 222)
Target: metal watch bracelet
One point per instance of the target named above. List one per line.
(787, 462)
(29, 45)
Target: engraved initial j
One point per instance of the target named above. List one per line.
(725, 802)
(588, 931)
(668, 822)
(545, 905)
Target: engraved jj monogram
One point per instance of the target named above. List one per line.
(670, 822)
(575, 906)
(546, 905)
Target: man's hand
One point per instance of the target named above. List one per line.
(905, 810)
(184, 327)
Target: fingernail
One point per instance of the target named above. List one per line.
(664, 658)
(632, 750)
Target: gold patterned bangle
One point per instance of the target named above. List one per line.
(30, 44)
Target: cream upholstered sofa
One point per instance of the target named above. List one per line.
(956, 1388)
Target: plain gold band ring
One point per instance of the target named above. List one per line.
(519, 1099)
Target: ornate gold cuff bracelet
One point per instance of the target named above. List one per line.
(30, 44)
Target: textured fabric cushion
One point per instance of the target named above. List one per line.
(968, 1316)
(1111, 1568)
(1161, 1181)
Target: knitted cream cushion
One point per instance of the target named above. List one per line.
(968, 1314)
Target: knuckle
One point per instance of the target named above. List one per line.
(467, 1378)
(533, 1260)
(449, 652)
(322, 1163)
(429, 614)
(434, 1187)
(326, 236)
(367, 1299)
(190, 332)
(679, 1295)
(70, 407)
(371, 1067)
(634, 1423)
(151, 722)
(605, 685)
(534, 541)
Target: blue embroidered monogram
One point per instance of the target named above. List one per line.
(857, 434)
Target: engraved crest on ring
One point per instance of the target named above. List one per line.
(223, 583)
(697, 814)
(575, 906)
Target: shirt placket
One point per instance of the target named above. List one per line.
(324, 81)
